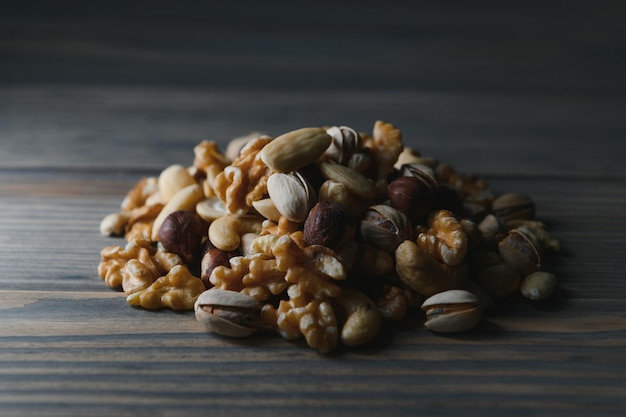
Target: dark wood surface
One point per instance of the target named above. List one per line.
(532, 97)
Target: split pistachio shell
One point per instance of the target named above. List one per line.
(267, 209)
(228, 313)
(452, 311)
(385, 227)
(292, 195)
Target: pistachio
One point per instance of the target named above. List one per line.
(385, 227)
(422, 172)
(228, 313)
(295, 149)
(451, 311)
(292, 195)
(513, 206)
(518, 250)
(538, 285)
(345, 141)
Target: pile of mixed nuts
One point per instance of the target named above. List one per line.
(324, 234)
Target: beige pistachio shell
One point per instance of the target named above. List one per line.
(292, 195)
(452, 311)
(224, 298)
(395, 228)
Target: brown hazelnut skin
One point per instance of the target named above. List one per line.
(182, 233)
(327, 224)
(411, 196)
(212, 258)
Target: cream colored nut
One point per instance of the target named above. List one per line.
(295, 149)
(292, 194)
(538, 285)
(228, 313)
(266, 208)
(225, 232)
(173, 179)
(336, 192)
(114, 224)
(451, 311)
(185, 199)
(357, 184)
(358, 316)
(211, 209)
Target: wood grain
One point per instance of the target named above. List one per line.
(530, 96)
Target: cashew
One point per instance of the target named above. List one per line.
(359, 315)
(225, 232)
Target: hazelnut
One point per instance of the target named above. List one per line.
(412, 196)
(182, 233)
(327, 224)
(212, 258)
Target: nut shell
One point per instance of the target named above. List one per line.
(452, 311)
(292, 195)
(239, 307)
(385, 227)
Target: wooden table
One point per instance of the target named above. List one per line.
(532, 98)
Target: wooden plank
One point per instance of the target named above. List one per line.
(148, 129)
(121, 360)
